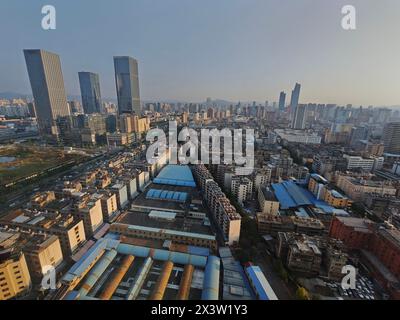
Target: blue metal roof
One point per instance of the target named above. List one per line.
(176, 175)
(198, 251)
(291, 196)
(260, 283)
(87, 259)
(245, 280)
(211, 279)
(301, 212)
(297, 193)
(72, 295)
(167, 195)
(163, 255)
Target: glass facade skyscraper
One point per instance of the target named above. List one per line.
(294, 101)
(300, 117)
(282, 101)
(127, 83)
(90, 91)
(45, 76)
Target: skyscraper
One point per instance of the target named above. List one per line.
(299, 118)
(294, 101)
(127, 83)
(357, 134)
(45, 75)
(391, 137)
(282, 101)
(90, 91)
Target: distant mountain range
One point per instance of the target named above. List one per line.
(15, 95)
(220, 102)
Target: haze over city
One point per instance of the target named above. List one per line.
(227, 49)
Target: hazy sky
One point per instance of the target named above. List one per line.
(230, 49)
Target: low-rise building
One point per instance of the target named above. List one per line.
(311, 255)
(272, 225)
(90, 212)
(269, 204)
(367, 164)
(66, 227)
(15, 279)
(41, 253)
(357, 188)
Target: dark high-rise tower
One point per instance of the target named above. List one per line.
(45, 75)
(90, 91)
(127, 83)
(300, 116)
(391, 137)
(282, 101)
(357, 134)
(294, 101)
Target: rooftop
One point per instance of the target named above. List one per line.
(179, 223)
(358, 224)
(268, 194)
(176, 175)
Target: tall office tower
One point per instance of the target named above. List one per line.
(300, 116)
(45, 75)
(294, 101)
(357, 134)
(90, 91)
(282, 101)
(391, 137)
(127, 82)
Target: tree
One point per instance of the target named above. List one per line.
(243, 256)
(302, 294)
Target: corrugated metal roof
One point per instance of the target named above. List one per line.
(84, 262)
(211, 279)
(199, 251)
(168, 215)
(176, 175)
(260, 283)
(163, 255)
(166, 195)
(173, 232)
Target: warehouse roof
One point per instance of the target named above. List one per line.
(176, 175)
(166, 195)
(260, 283)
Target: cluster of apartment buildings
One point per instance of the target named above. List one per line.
(311, 255)
(62, 224)
(378, 246)
(24, 259)
(244, 187)
(223, 212)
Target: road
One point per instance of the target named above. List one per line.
(283, 290)
(18, 198)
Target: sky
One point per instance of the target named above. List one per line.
(228, 49)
